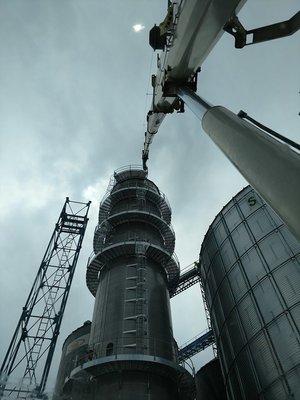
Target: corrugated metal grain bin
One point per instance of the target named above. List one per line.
(74, 347)
(250, 267)
(209, 382)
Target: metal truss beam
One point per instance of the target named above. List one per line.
(197, 345)
(31, 349)
(187, 279)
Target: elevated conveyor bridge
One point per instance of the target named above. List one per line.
(190, 276)
(195, 345)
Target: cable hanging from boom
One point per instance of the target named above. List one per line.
(185, 38)
(266, 159)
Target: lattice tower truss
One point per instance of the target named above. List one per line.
(27, 362)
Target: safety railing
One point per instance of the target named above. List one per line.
(136, 207)
(107, 203)
(102, 240)
(129, 237)
(147, 185)
(120, 346)
(131, 167)
(196, 344)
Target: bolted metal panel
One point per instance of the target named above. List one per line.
(136, 316)
(141, 383)
(209, 382)
(132, 301)
(74, 348)
(250, 271)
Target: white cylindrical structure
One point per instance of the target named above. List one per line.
(271, 167)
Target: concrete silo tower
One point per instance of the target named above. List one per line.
(133, 270)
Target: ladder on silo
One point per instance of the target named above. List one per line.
(135, 325)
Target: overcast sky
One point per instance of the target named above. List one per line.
(73, 83)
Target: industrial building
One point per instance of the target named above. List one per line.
(250, 276)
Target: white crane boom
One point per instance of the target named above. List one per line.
(268, 161)
(271, 166)
(186, 36)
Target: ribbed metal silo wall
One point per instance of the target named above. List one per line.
(74, 347)
(131, 274)
(132, 305)
(209, 382)
(250, 268)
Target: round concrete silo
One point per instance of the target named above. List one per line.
(250, 269)
(74, 348)
(209, 382)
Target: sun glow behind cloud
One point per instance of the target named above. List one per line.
(138, 27)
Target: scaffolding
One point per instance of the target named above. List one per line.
(31, 349)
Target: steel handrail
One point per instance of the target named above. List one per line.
(146, 346)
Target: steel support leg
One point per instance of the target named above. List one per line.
(270, 166)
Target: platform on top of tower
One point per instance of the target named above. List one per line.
(130, 171)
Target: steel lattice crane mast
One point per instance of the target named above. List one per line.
(31, 349)
(268, 161)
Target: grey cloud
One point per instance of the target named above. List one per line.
(73, 80)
